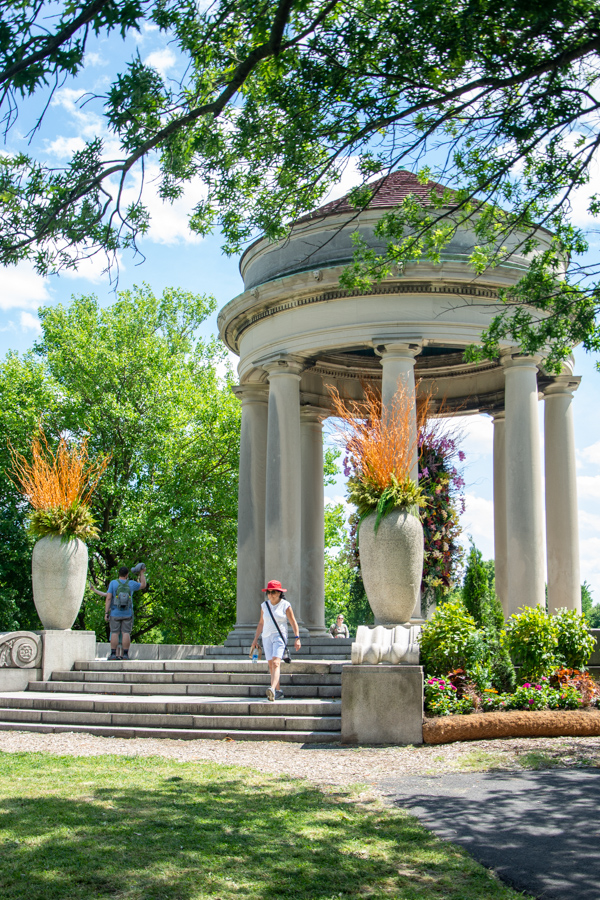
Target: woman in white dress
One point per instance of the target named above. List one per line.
(275, 613)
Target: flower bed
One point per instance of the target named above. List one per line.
(456, 694)
(484, 726)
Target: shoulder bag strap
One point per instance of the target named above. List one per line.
(268, 602)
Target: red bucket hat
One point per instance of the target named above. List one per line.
(274, 586)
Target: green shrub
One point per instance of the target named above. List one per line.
(450, 640)
(575, 643)
(531, 637)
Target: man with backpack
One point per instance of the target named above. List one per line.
(119, 607)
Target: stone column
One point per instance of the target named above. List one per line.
(313, 520)
(251, 507)
(398, 364)
(500, 527)
(283, 515)
(524, 512)
(562, 530)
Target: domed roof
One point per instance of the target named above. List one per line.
(388, 192)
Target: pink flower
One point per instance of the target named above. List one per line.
(530, 701)
(526, 685)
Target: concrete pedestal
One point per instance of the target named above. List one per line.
(61, 649)
(382, 705)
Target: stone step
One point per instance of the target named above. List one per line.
(185, 689)
(187, 722)
(165, 705)
(178, 734)
(261, 678)
(316, 667)
(315, 641)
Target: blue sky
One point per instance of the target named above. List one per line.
(173, 257)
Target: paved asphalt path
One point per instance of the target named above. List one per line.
(540, 831)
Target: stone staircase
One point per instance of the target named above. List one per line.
(183, 699)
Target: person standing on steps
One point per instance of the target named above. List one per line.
(339, 629)
(119, 608)
(275, 613)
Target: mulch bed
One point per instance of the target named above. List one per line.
(483, 726)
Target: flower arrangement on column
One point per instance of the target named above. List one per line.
(379, 454)
(442, 485)
(59, 486)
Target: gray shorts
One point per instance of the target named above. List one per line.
(120, 626)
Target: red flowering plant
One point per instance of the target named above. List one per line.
(442, 485)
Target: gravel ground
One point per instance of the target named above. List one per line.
(327, 765)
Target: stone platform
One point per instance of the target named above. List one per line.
(236, 647)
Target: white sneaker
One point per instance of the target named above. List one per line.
(270, 694)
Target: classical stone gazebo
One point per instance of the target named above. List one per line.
(297, 333)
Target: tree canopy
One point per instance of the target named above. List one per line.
(497, 99)
(136, 378)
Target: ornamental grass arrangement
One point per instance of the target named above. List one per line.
(59, 486)
(379, 452)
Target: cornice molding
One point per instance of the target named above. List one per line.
(244, 320)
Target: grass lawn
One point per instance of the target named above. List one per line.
(156, 829)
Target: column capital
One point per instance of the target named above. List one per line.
(497, 414)
(251, 392)
(395, 349)
(562, 384)
(281, 364)
(310, 413)
(521, 360)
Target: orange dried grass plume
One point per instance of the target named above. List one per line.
(381, 445)
(57, 480)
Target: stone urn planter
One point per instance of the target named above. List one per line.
(392, 565)
(59, 572)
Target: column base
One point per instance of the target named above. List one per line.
(316, 630)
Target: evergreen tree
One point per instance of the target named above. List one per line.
(483, 604)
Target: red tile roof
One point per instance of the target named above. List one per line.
(390, 191)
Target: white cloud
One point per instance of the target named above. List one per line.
(588, 522)
(22, 288)
(350, 177)
(478, 521)
(223, 366)
(161, 60)
(94, 269)
(477, 434)
(168, 221)
(588, 486)
(30, 322)
(591, 454)
(64, 147)
(89, 124)
(95, 59)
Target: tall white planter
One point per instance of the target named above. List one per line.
(59, 572)
(392, 565)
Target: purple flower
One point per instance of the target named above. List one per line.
(530, 701)
(461, 455)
